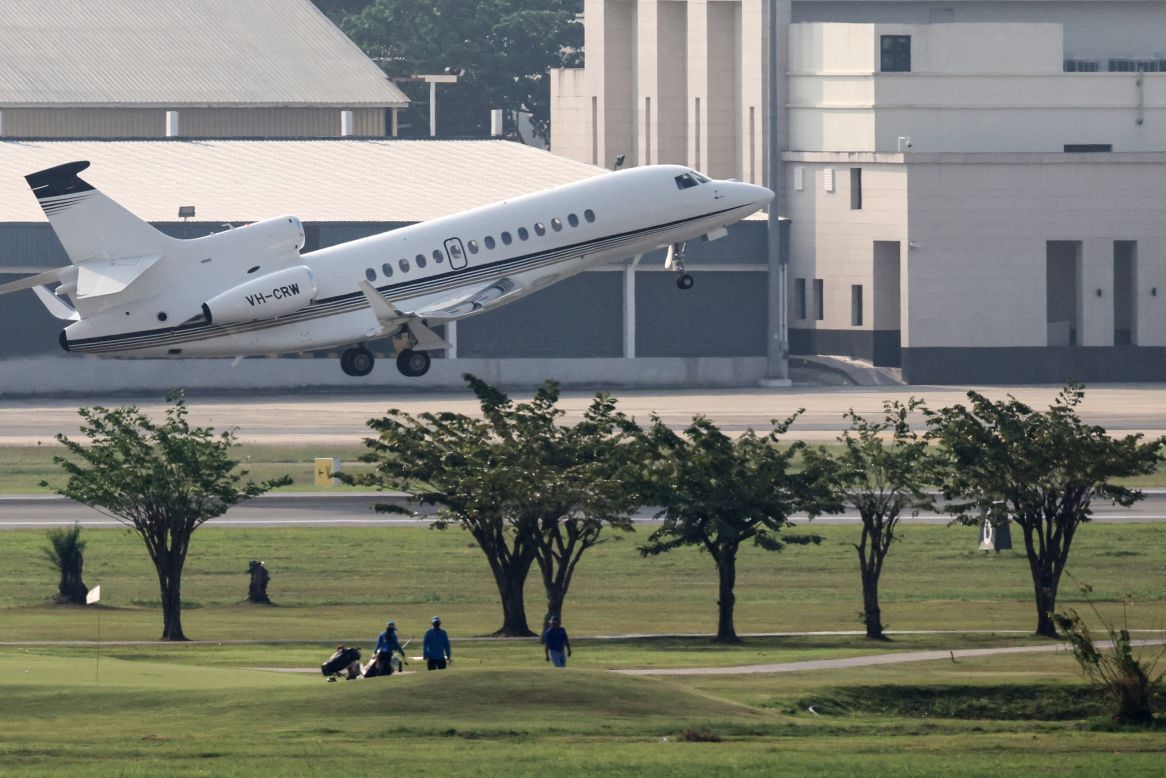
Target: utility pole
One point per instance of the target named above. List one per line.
(777, 348)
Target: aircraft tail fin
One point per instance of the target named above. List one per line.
(89, 224)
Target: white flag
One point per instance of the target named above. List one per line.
(94, 595)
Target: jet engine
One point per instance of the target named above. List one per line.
(266, 297)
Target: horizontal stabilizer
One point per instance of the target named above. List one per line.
(31, 282)
(55, 305)
(98, 278)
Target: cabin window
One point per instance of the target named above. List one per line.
(573, 220)
(556, 224)
(438, 256)
(589, 215)
(404, 265)
(387, 269)
(507, 239)
(420, 260)
(489, 242)
(523, 233)
(370, 274)
(539, 229)
(685, 181)
(472, 246)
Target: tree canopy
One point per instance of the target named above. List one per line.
(883, 470)
(718, 494)
(526, 486)
(504, 47)
(1042, 470)
(163, 480)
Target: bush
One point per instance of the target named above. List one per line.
(65, 554)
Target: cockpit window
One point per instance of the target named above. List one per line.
(686, 181)
(700, 179)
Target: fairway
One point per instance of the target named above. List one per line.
(217, 706)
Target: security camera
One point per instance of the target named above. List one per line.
(908, 144)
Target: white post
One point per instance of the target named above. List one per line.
(346, 123)
(172, 124)
(497, 128)
(629, 308)
(432, 109)
(451, 339)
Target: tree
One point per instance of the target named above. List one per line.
(575, 482)
(883, 470)
(505, 49)
(1043, 469)
(525, 487)
(65, 552)
(163, 480)
(718, 494)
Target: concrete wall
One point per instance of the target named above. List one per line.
(1092, 29)
(972, 87)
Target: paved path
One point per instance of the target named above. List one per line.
(874, 659)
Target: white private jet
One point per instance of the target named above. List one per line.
(132, 291)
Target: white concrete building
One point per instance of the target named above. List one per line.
(948, 214)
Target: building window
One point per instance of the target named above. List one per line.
(1087, 148)
(896, 54)
(799, 179)
(800, 298)
(819, 299)
(856, 305)
(828, 179)
(856, 189)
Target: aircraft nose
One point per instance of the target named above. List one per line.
(757, 196)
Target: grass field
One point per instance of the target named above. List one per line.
(217, 708)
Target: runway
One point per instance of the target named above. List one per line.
(355, 510)
(341, 419)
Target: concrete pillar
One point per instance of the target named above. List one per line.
(1150, 290)
(1095, 293)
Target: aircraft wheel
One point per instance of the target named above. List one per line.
(357, 362)
(413, 364)
(685, 281)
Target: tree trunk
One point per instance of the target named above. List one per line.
(510, 587)
(871, 613)
(171, 586)
(727, 570)
(555, 597)
(72, 588)
(1046, 604)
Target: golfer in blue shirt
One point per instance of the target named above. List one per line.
(436, 647)
(556, 644)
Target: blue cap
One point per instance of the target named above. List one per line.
(436, 619)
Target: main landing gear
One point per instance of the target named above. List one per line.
(675, 260)
(358, 362)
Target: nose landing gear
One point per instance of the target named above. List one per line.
(675, 260)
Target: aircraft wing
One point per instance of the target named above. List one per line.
(463, 305)
(31, 282)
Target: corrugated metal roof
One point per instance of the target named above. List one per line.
(194, 52)
(317, 180)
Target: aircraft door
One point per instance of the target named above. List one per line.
(456, 254)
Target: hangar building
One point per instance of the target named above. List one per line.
(975, 187)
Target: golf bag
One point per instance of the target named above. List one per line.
(383, 664)
(344, 660)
